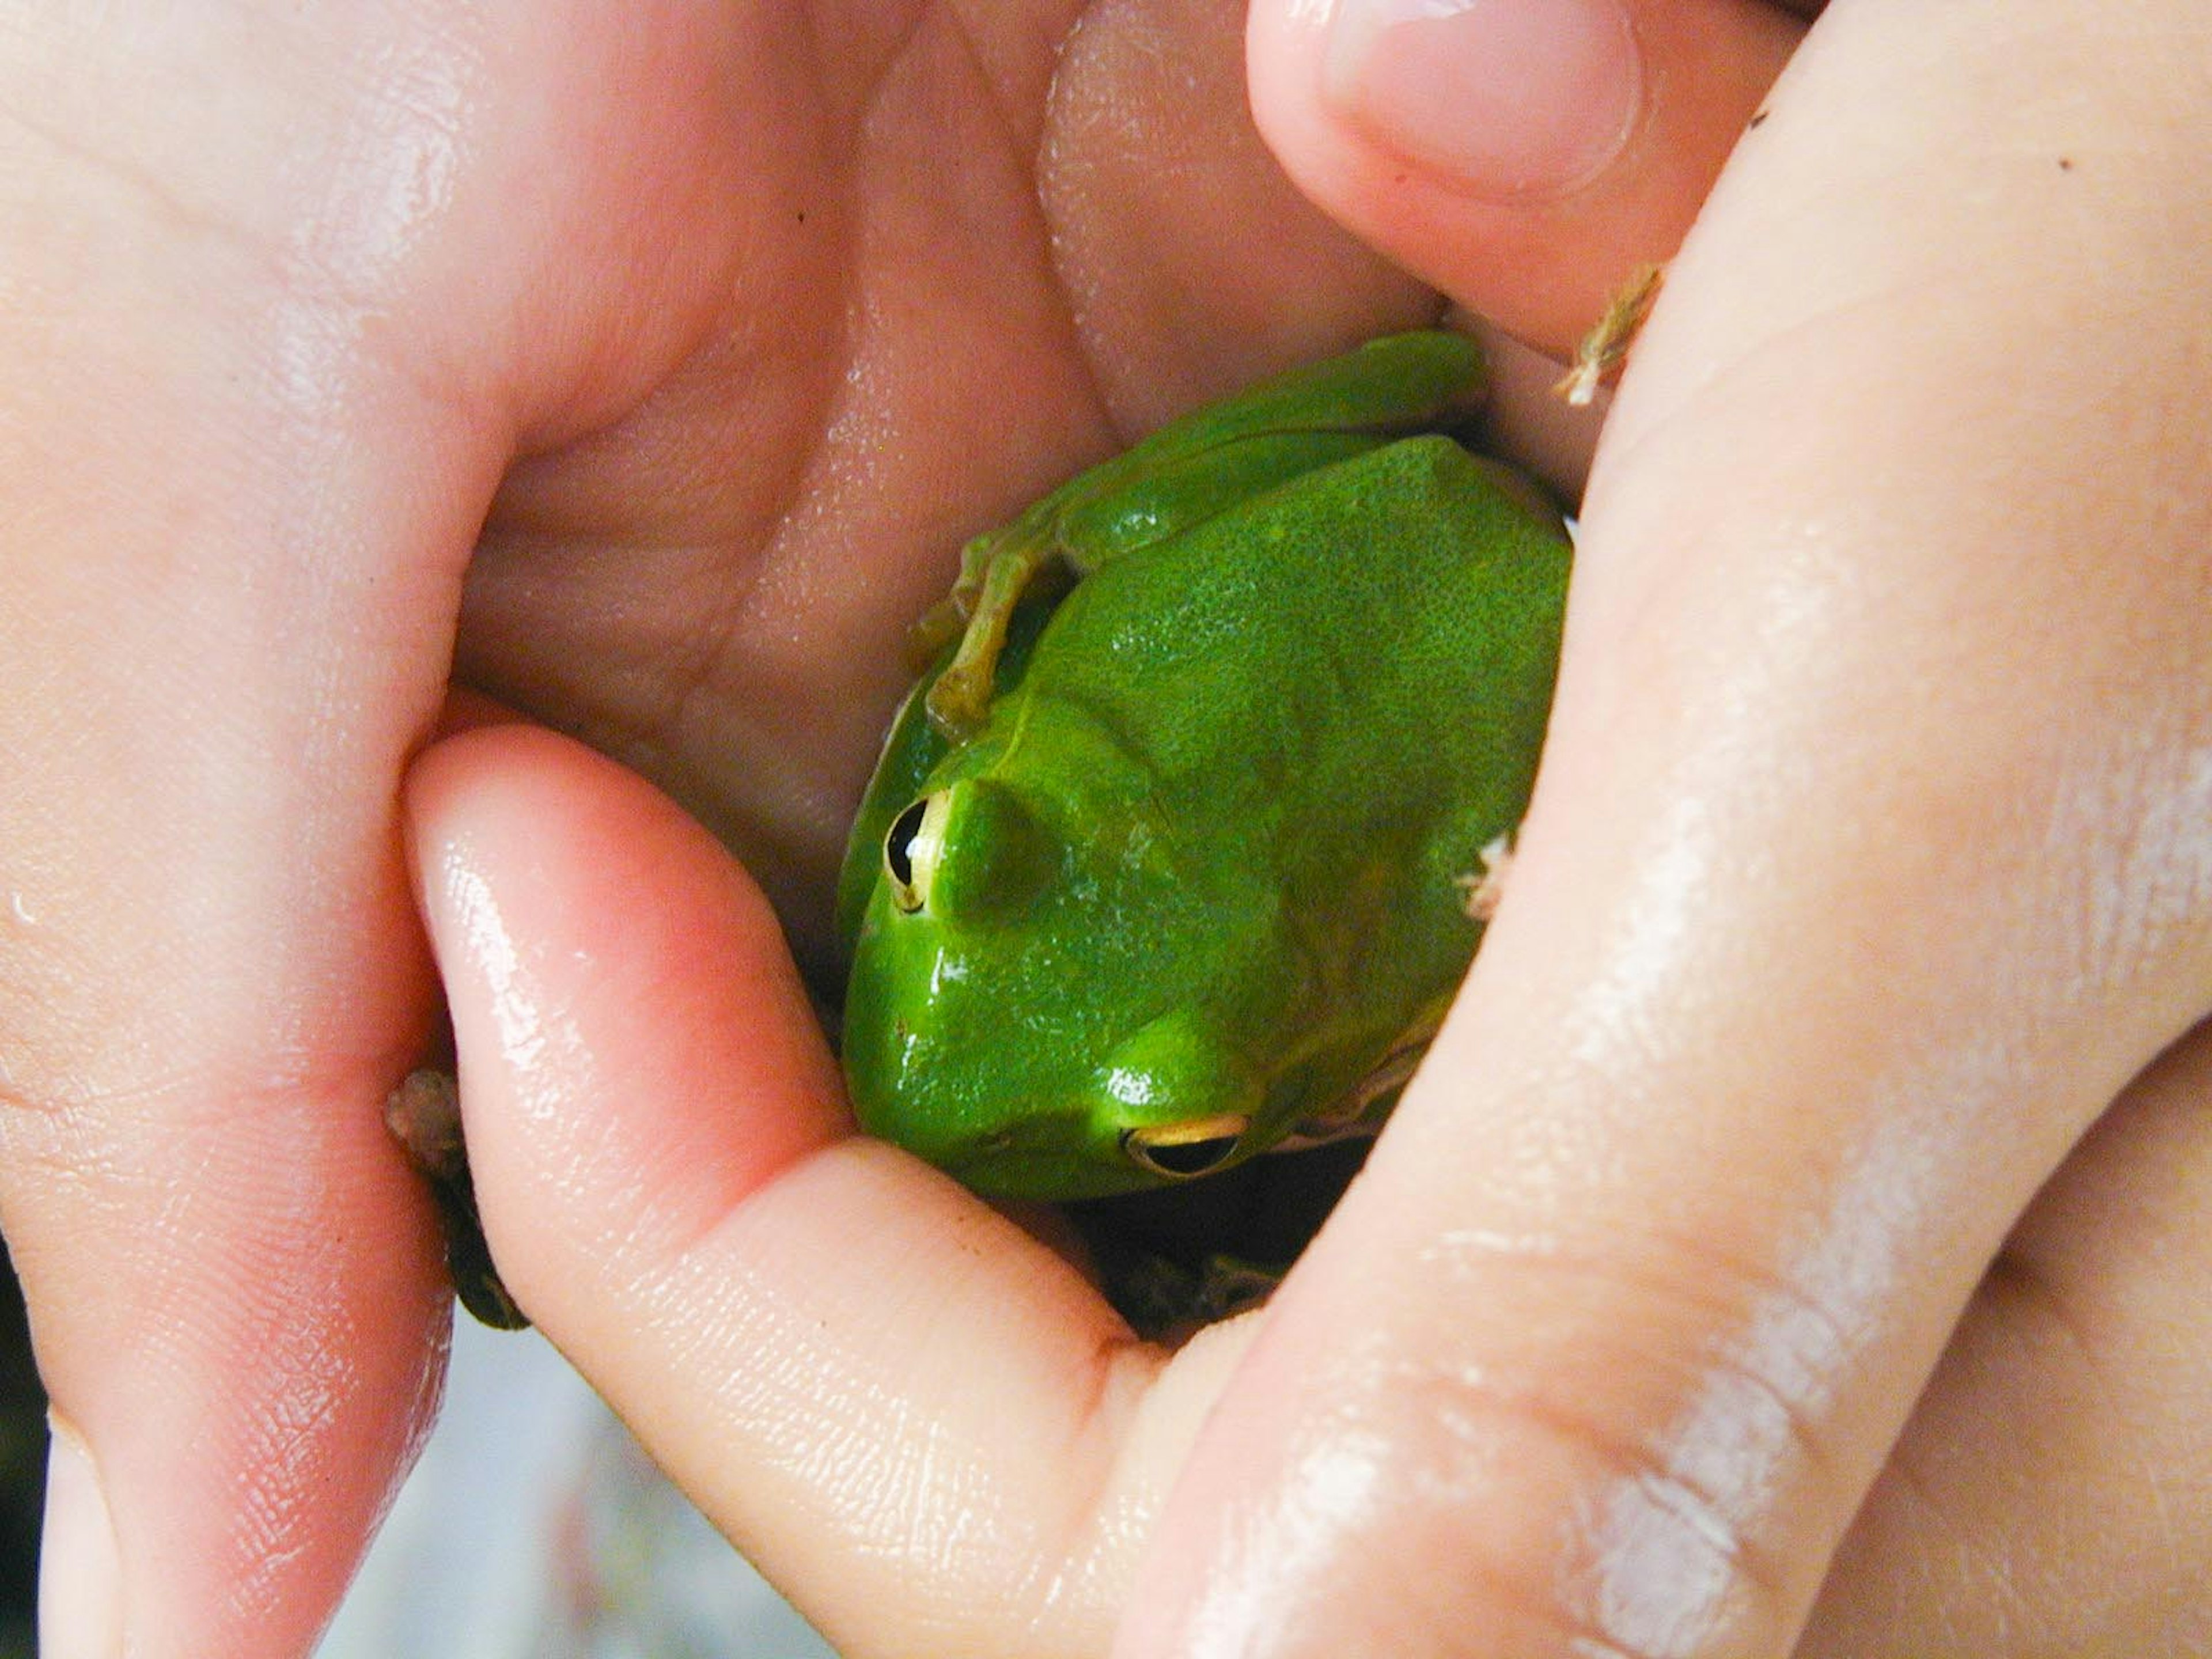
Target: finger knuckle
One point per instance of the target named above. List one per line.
(1633, 1477)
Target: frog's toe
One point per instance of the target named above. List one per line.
(1483, 892)
(960, 699)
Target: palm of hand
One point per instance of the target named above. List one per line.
(768, 301)
(779, 308)
(962, 274)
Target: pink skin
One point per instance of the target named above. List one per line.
(630, 354)
(1870, 860)
(931, 1432)
(1869, 868)
(268, 296)
(1868, 864)
(1641, 106)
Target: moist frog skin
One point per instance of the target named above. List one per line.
(1166, 860)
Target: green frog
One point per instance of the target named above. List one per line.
(1167, 860)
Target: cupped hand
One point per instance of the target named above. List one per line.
(653, 358)
(1794, 1238)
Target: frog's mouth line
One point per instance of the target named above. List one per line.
(1005, 1166)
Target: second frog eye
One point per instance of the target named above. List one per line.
(911, 849)
(1182, 1152)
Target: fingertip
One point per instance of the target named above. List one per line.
(597, 944)
(234, 1391)
(1524, 156)
(846, 1359)
(1510, 100)
(500, 808)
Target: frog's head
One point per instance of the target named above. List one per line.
(1025, 1007)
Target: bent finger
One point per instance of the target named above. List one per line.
(923, 1424)
(1866, 867)
(2080, 1368)
(1524, 156)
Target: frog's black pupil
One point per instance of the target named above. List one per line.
(898, 845)
(1189, 1158)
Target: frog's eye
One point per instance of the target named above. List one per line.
(912, 848)
(1181, 1152)
(969, 852)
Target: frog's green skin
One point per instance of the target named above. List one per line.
(1193, 873)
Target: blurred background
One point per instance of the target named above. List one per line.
(22, 1472)
(532, 1528)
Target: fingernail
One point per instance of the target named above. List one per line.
(1503, 98)
(80, 1576)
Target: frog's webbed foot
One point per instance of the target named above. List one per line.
(1167, 1301)
(936, 629)
(1229, 1285)
(947, 620)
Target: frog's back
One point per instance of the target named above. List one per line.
(1349, 686)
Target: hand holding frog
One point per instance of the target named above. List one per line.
(1778, 1223)
(625, 352)
(1866, 869)
(482, 242)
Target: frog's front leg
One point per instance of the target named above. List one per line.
(948, 619)
(996, 571)
(1108, 513)
(1188, 471)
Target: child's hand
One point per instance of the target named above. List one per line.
(1872, 858)
(637, 352)
(1868, 868)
